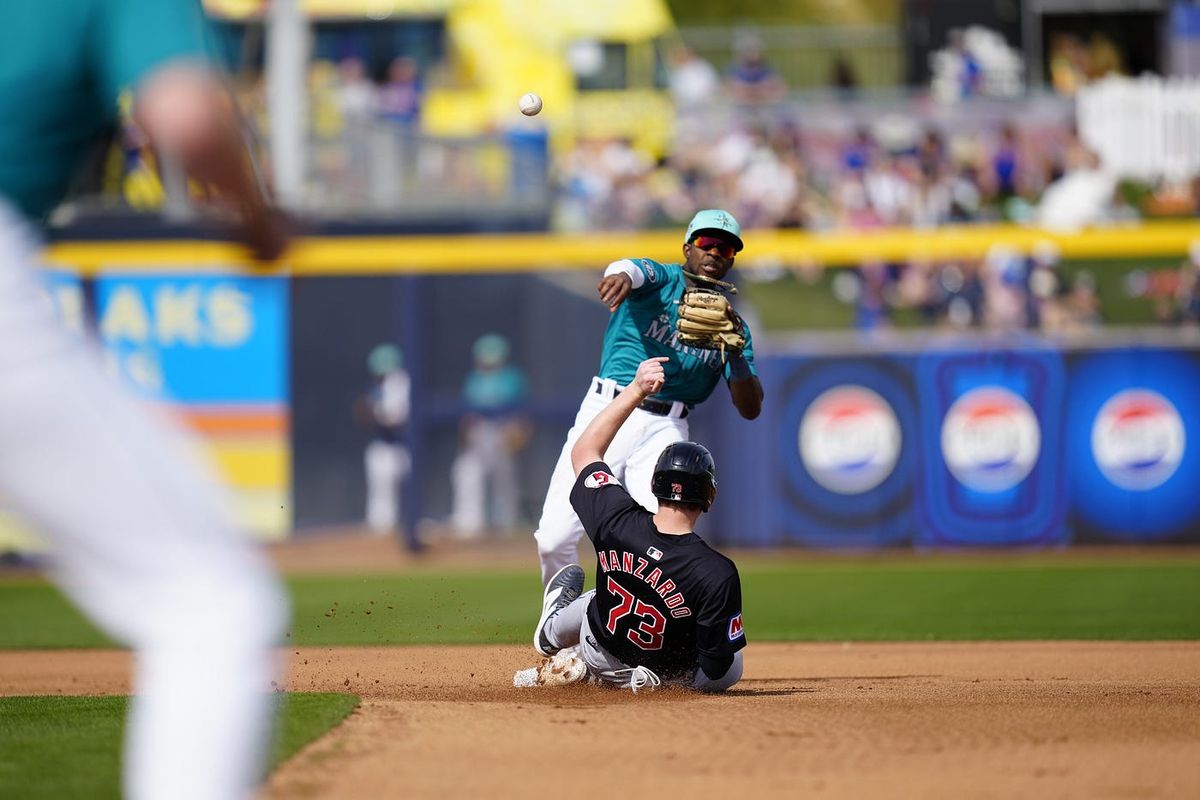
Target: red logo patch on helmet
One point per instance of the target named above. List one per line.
(676, 488)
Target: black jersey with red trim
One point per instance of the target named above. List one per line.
(661, 600)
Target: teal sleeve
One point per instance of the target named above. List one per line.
(136, 36)
(653, 273)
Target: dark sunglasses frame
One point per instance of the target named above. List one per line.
(724, 249)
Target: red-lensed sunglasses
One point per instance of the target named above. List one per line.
(724, 249)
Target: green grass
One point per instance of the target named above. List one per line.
(792, 304)
(975, 601)
(68, 747)
(1052, 596)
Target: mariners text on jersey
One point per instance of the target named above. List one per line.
(635, 565)
(663, 331)
(645, 326)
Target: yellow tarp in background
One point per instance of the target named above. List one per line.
(373, 9)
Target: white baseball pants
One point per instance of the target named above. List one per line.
(632, 456)
(387, 466)
(142, 543)
(485, 458)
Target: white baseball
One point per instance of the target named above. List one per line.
(530, 104)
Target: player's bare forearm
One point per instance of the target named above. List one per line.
(600, 432)
(747, 397)
(598, 435)
(744, 387)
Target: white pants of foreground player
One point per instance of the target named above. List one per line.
(569, 627)
(141, 543)
(632, 456)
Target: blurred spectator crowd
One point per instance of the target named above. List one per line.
(833, 164)
(820, 165)
(1006, 291)
(1009, 291)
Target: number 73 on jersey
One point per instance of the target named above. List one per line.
(647, 633)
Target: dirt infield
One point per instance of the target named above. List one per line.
(1069, 720)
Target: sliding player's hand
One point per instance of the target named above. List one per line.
(650, 376)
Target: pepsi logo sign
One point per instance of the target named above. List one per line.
(1138, 439)
(990, 439)
(849, 439)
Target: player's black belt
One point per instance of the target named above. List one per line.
(660, 407)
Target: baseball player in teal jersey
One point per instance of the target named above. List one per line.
(643, 296)
(137, 529)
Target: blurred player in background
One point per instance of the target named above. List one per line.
(643, 296)
(667, 607)
(138, 530)
(492, 434)
(385, 409)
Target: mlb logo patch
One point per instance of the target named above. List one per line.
(600, 478)
(735, 627)
(654, 553)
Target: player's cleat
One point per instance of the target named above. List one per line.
(563, 589)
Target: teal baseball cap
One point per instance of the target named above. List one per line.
(714, 220)
(384, 358)
(491, 350)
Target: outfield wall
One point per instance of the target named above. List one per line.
(266, 365)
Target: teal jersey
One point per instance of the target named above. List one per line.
(63, 68)
(494, 390)
(644, 327)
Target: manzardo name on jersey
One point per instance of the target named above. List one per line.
(635, 565)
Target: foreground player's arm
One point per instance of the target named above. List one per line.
(159, 49)
(188, 115)
(599, 433)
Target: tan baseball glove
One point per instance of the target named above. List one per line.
(707, 321)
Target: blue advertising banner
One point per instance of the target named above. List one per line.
(1133, 422)
(970, 445)
(198, 339)
(846, 445)
(992, 472)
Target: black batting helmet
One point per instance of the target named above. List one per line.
(685, 473)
